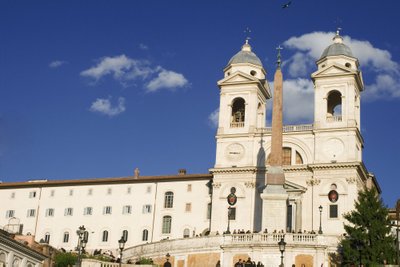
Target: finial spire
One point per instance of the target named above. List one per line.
(279, 61)
(338, 38)
(247, 31)
(338, 31)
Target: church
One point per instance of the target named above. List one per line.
(286, 184)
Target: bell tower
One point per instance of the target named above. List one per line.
(243, 95)
(244, 92)
(338, 84)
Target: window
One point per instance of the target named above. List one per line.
(52, 193)
(10, 213)
(12, 195)
(168, 200)
(66, 237)
(88, 211)
(125, 235)
(127, 209)
(208, 211)
(238, 113)
(148, 189)
(31, 213)
(71, 192)
(107, 210)
(32, 194)
(90, 192)
(166, 224)
(333, 211)
(232, 213)
(188, 207)
(109, 191)
(68, 211)
(189, 187)
(334, 106)
(49, 212)
(186, 233)
(145, 235)
(146, 209)
(105, 236)
(129, 190)
(287, 153)
(47, 238)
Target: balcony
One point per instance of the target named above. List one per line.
(239, 124)
(336, 118)
(292, 128)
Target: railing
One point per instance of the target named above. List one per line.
(292, 128)
(215, 243)
(237, 124)
(334, 118)
(98, 263)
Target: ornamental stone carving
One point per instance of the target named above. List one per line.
(250, 184)
(313, 182)
(351, 180)
(216, 185)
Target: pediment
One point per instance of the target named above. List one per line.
(293, 187)
(333, 70)
(238, 77)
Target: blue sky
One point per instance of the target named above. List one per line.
(96, 88)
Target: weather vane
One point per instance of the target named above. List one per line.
(247, 31)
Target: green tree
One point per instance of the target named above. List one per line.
(368, 232)
(65, 259)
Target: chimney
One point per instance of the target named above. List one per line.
(182, 171)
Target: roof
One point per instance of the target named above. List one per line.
(337, 48)
(116, 180)
(245, 56)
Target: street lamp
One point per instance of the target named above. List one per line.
(121, 244)
(81, 243)
(359, 247)
(320, 220)
(282, 245)
(167, 263)
(229, 220)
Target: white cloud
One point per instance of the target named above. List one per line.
(127, 70)
(167, 79)
(105, 107)
(213, 118)
(57, 63)
(376, 63)
(143, 46)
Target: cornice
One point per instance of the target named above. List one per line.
(251, 170)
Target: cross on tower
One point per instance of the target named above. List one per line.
(338, 23)
(279, 61)
(247, 31)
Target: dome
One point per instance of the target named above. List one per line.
(245, 56)
(337, 48)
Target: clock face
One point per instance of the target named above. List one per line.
(234, 152)
(333, 148)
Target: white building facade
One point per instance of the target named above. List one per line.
(185, 215)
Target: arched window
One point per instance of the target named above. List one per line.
(334, 106)
(186, 233)
(16, 263)
(166, 224)
(105, 236)
(47, 238)
(169, 200)
(3, 257)
(299, 159)
(66, 237)
(238, 113)
(287, 157)
(125, 235)
(145, 235)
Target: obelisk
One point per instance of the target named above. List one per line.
(274, 195)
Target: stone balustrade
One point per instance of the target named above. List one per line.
(218, 242)
(292, 128)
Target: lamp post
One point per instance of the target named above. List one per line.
(121, 244)
(81, 243)
(229, 220)
(359, 247)
(282, 245)
(320, 220)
